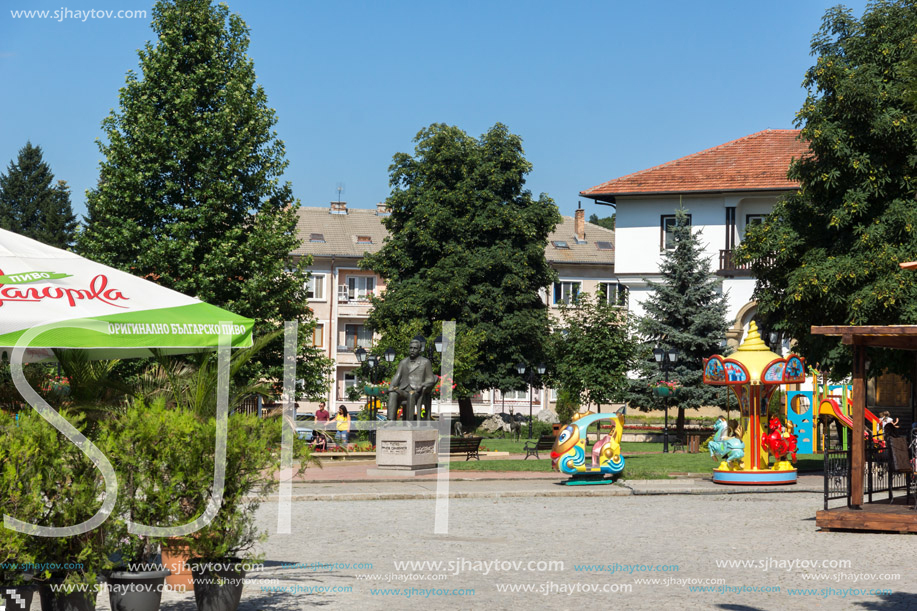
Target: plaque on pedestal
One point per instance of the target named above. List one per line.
(408, 451)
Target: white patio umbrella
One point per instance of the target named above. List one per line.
(62, 300)
(51, 298)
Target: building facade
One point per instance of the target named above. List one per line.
(337, 238)
(725, 189)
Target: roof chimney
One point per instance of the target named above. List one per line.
(383, 209)
(338, 207)
(579, 224)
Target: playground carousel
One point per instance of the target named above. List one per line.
(744, 447)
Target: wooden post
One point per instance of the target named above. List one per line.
(858, 415)
(914, 392)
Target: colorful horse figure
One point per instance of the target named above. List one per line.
(569, 452)
(729, 450)
(779, 443)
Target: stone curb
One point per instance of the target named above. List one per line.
(413, 496)
(618, 489)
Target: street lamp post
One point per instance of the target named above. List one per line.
(665, 359)
(521, 369)
(438, 348)
(373, 361)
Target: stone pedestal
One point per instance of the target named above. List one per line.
(406, 451)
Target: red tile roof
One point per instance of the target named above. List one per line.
(756, 162)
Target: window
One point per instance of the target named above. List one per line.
(565, 291)
(364, 239)
(318, 336)
(358, 336)
(317, 237)
(516, 395)
(753, 219)
(350, 380)
(315, 288)
(552, 396)
(667, 231)
(560, 244)
(359, 288)
(614, 293)
(604, 246)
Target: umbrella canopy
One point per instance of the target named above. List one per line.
(62, 300)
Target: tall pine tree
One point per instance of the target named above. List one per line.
(189, 193)
(31, 206)
(685, 311)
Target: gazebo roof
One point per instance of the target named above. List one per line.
(901, 337)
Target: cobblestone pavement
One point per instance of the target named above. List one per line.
(636, 552)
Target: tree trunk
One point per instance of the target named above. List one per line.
(466, 413)
(680, 421)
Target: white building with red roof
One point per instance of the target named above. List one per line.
(725, 189)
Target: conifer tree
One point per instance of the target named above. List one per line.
(31, 206)
(687, 312)
(189, 193)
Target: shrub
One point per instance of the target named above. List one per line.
(567, 405)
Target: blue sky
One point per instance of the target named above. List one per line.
(595, 89)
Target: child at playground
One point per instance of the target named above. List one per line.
(885, 420)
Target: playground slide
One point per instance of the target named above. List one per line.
(837, 412)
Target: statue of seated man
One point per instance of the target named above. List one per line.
(411, 383)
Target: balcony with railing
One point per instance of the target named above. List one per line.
(729, 267)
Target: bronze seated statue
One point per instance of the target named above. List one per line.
(412, 386)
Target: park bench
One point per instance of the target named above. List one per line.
(469, 446)
(544, 444)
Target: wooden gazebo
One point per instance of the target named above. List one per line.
(888, 514)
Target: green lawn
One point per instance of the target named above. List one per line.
(647, 466)
(516, 447)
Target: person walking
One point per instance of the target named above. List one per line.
(342, 420)
(322, 415)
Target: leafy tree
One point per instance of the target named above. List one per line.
(466, 354)
(593, 350)
(607, 222)
(466, 243)
(685, 311)
(829, 254)
(189, 194)
(31, 206)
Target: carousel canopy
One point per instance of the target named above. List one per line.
(754, 363)
(63, 300)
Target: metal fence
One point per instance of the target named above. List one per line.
(837, 470)
(878, 479)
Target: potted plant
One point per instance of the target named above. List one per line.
(21, 496)
(71, 491)
(662, 388)
(220, 549)
(376, 390)
(148, 446)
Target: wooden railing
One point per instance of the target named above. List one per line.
(729, 267)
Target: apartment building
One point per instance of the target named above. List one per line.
(337, 237)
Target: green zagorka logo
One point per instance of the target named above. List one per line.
(31, 277)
